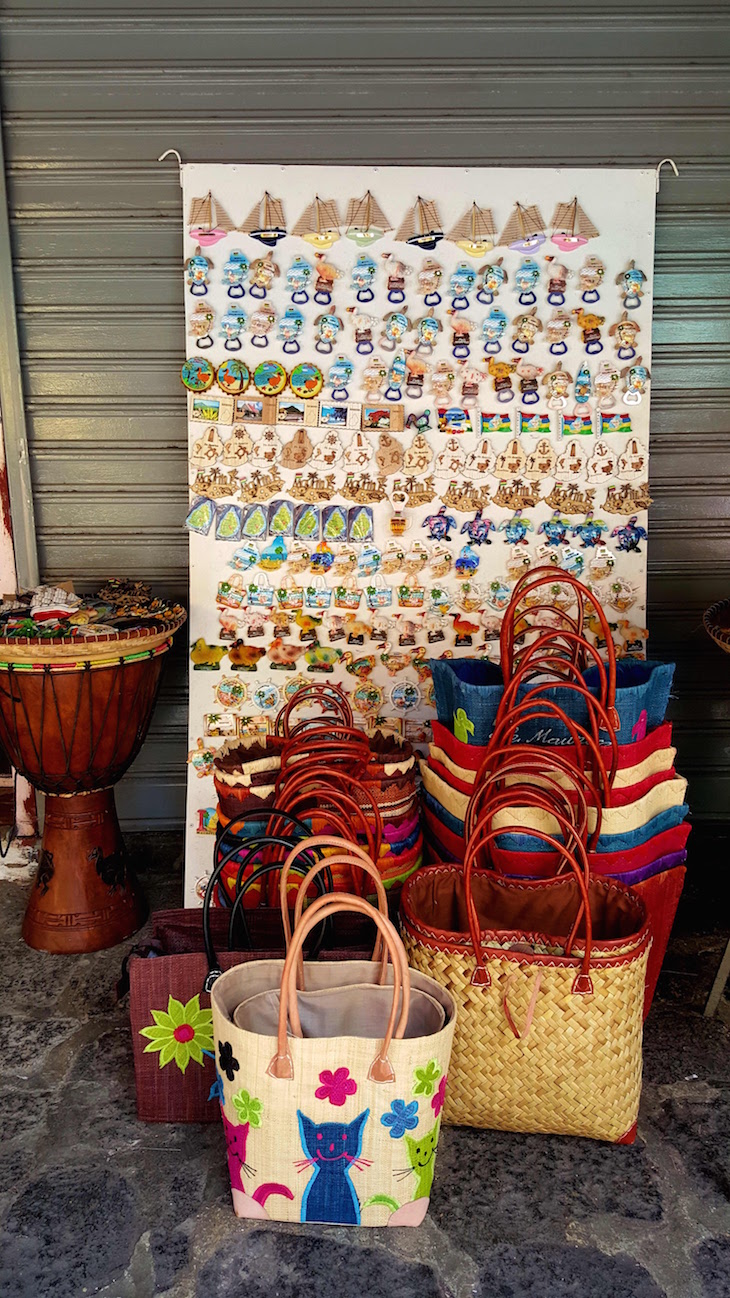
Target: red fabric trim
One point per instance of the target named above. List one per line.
(472, 755)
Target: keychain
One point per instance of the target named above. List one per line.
(493, 328)
(235, 271)
(527, 278)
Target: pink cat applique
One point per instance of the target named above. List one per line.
(246, 1205)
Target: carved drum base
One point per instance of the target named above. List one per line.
(84, 898)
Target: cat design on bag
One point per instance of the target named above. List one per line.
(332, 1149)
(236, 1142)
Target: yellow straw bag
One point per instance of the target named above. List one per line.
(549, 1032)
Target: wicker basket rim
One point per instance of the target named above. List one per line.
(107, 646)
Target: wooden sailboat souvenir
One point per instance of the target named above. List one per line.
(474, 232)
(571, 227)
(209, 221)
(265, 221)
(319, 223)
(366, 221)
(421, 226)
(525, 229)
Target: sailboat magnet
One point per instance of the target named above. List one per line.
(571, 227)
(421, 226)
(319, 223)
(366, 221)
(474, 232)
(209, 221)
(525, 229)
(265, 221)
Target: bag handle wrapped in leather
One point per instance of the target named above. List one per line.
(381, 1069)
(324, 779)
(540, 708)
(257, 846)
(544, 654)
(582, 984)
(330, 698)
(491, 799)
(545, 764)
(342, 813)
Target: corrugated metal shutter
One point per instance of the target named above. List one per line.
(93, 91)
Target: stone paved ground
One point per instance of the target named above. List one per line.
(93, 1201)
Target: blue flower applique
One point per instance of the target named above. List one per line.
(402, 1118)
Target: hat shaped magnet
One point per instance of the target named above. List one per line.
(631, 282)
(493, 276)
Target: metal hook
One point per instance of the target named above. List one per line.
(175, 154)
(665, 162)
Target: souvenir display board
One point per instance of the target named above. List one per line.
(405, 386)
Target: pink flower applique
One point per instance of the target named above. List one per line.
(336, 1086)
(437, 1102)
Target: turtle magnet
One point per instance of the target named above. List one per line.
(526, 329)
(492, 277)
(197, 269)
(631, 282)
(326, 329)
(624, 333)
(629, 536)
(636, 378)
(262, 273)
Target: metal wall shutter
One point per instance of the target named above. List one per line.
(93, 91)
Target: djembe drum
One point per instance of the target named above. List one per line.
(73, 716)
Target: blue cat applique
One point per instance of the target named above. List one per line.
(332, 1149)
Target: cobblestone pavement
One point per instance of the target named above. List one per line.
(94, 1202)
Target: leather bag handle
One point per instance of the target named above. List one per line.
(513, 759)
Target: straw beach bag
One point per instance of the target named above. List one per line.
(550, 1006)
(334, 1093)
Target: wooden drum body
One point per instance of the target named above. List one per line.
(72, 729)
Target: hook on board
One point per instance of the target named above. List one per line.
(174, 154)
(665, 162)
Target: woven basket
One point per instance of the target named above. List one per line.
(716, 621)
(107, 648)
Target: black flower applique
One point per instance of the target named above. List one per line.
(229, 1065)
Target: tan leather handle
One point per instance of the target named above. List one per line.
(351, 854)
(381, 1069)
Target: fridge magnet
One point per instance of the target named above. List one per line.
(319, 224)
(601, 565)
(418, 455)
(441, 561)
(601, 463)
(328, 451)
(515, 529)
(417, 492)
(557, 330)
(516, 494)
(461, 283)
(629, 536)
(536, 422)
(217, 725)
(280, 518)
(197, 269)
(479, 462)
(422, 422)
(244, 657)
(306, 380)
(540, 462)
(454, 420)
(631, 282)
(317, 595)
(442, 380)
(261, 322)
(262, 273)
(590, 278)
(307, 522)
(201, 759)
(493, 276)
(590, 532)
(394, 554)
(501, 372)
(255, 412)
(421, 226)
(428, 279)
(374, 378)
(389, 455)
(207, 657)
(254, 521)
(557, 384)
(322, 659)
(590, 326)
(498, 595)
(367, 699)
(427, 331)
(362, 275)
(200, 323)
(511, 461)
(527, 278)
(477, 529)
(338, 376)
(359, 453)
(558, 276)
(296, 453)
(410, 596)
(206, 450)
(233, 377)
(290, 327)
(312, 488)
(266, 696)
(365, 220)
(528, 378)
(416, 371)
(628, 499)
(197, 374)
(265, 221)
(634, 638)
(397, 273)
(526, 328)
(450, 459)
(405, 696)
(233, 323)
(360, 524)
(474, 232)
(290, 598)
(471, 380)
(618, 422)
(525, 229)
(465, 496)
(245, 557)
(569, 463)
(555, 529)
(632, 461)
(362, 490)
(333, 414)
(326, 329)
(464, 630)
(200, 516)
(283, 657)
(635, 377)
(395, 378)
(395, 327)
(235, 270)
(467, 561)
(624, 333)
(378, 596)
(260, 486)
(571, 227)
(620, 595)
(496, 422)
(605, 383)
(208, 221)
(440, 525)
(266, 449)
(583, 387)
(493, 328)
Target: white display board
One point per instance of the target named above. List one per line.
(555, 472)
